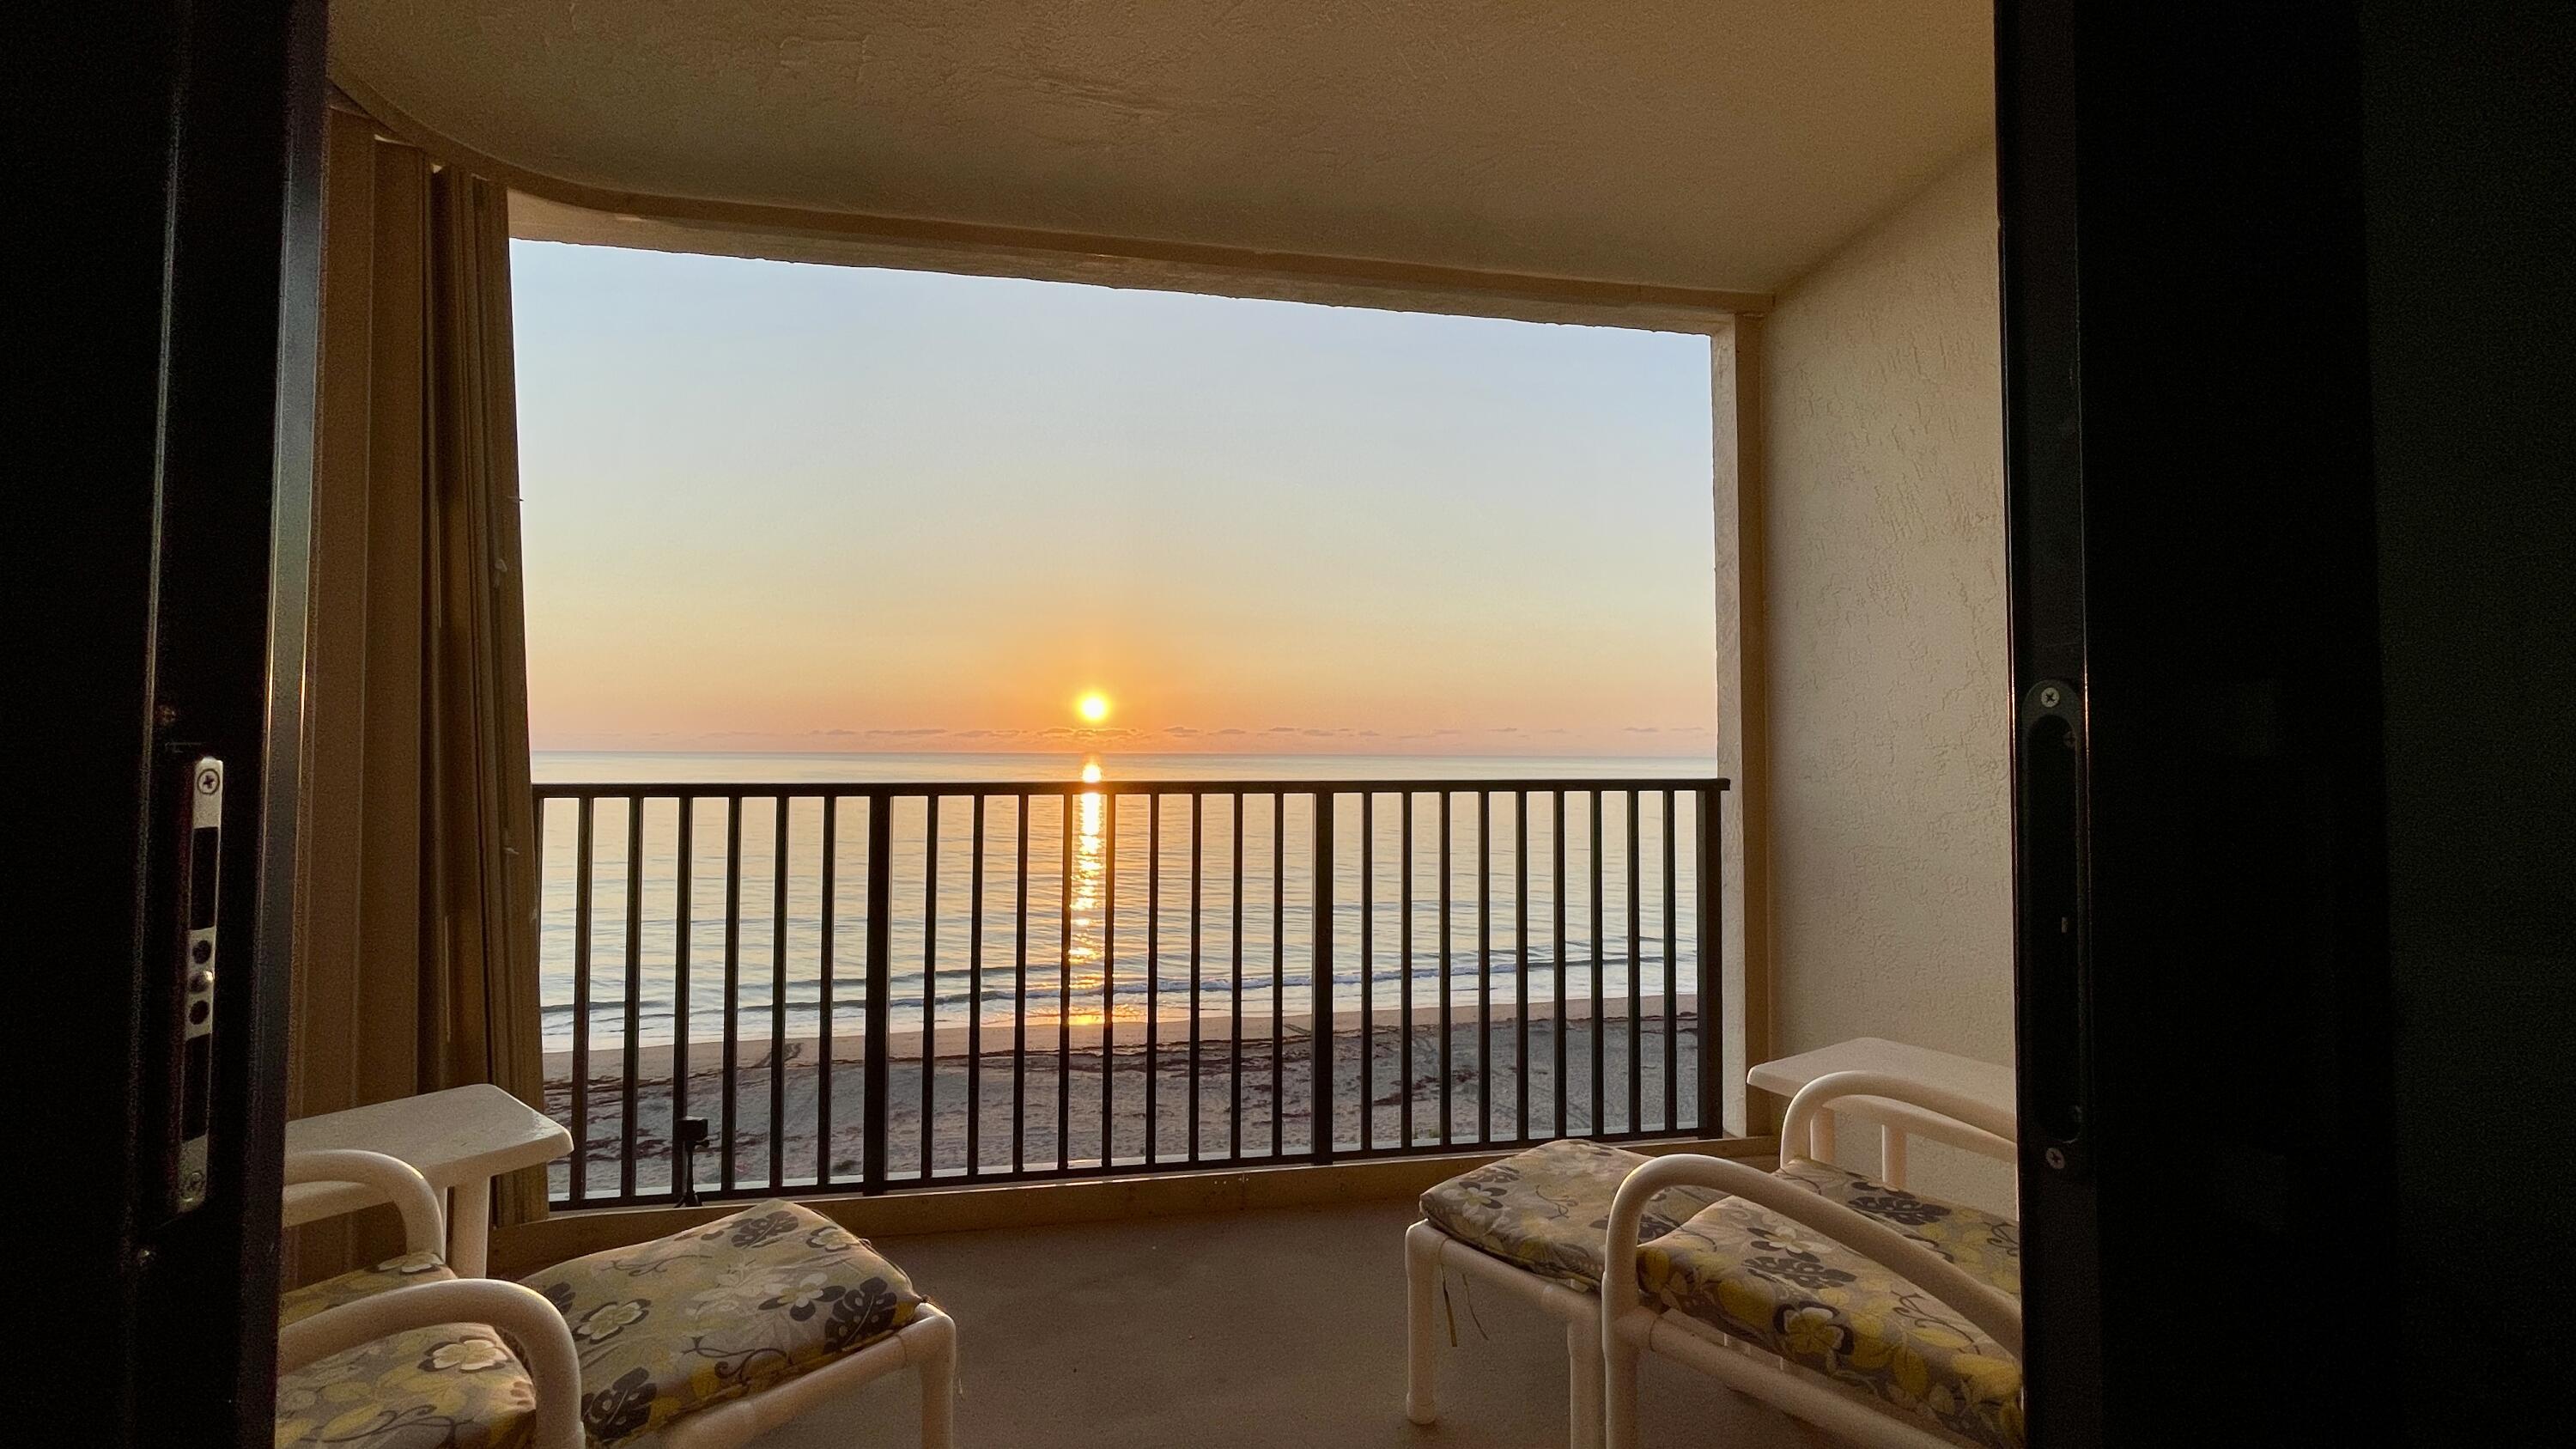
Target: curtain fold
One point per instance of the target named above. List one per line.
(482, 825)
(416, 949)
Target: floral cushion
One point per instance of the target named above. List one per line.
(672, 1326)
(1548, 1209)
(455, 1386)
(451, 1387)
(1786, 1288)
(300, 1303)
(1987, 1246)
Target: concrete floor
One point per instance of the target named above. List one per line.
(1279, 1327)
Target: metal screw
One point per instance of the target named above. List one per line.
(2055, 1157)
(2048, 697)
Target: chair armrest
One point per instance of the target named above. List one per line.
(1995, 1312)
(1980, 1128)
(424, 1223)
(543, 1341)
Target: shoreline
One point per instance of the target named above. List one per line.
(654, 1059)
(1397, 1075)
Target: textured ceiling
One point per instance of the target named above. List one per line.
(1687, 143)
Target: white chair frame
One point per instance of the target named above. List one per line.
(1427, 1251)
(542, 1338)
(928, 1344)
(1631, 1328)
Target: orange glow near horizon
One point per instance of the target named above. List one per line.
(1074, 519)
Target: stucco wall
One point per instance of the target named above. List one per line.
(1889, 673)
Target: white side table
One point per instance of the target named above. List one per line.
(1983, 1081)
(459, 1139)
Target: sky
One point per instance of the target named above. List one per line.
(774, 506)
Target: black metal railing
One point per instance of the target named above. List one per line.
(939, 1009)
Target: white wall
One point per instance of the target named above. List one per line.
(1889, 676)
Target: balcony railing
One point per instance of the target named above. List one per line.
(874, 987)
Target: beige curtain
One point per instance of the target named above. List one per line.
(416, 950)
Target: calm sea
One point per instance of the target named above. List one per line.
(1124, 886)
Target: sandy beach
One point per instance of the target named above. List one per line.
(1276, 1099)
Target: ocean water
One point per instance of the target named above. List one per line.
(1100, 918)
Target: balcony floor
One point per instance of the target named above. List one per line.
(1268, 1327)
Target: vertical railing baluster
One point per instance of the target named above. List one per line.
(1710, 903)
(1556, 900)
(537, 802)
(1278, 971)
(1368, 970)
(1600, 1063)
(1153, 964)
(680, 979)
(1484, 966)
(1064, 995)
(778, 999)
(878, 1070)
(1109, 983)
(1404, 988)
(578, 1173)
(1672, 985)
(1520, 967)
(1319, 979)
(929, 986)
(1235, 1030)
(826, 922)
(975, 996)
(1020, 994)
(1636, 985)
(1197, 865)
(1447, 1027)
(732, 985)
(631, 1057)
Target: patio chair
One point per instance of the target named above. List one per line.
(1530, 1226)
(1882, 1316)
(405, 1352)
(708, 1337)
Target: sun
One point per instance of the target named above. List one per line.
(1093, 707)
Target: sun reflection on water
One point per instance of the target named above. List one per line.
(1090, 883)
